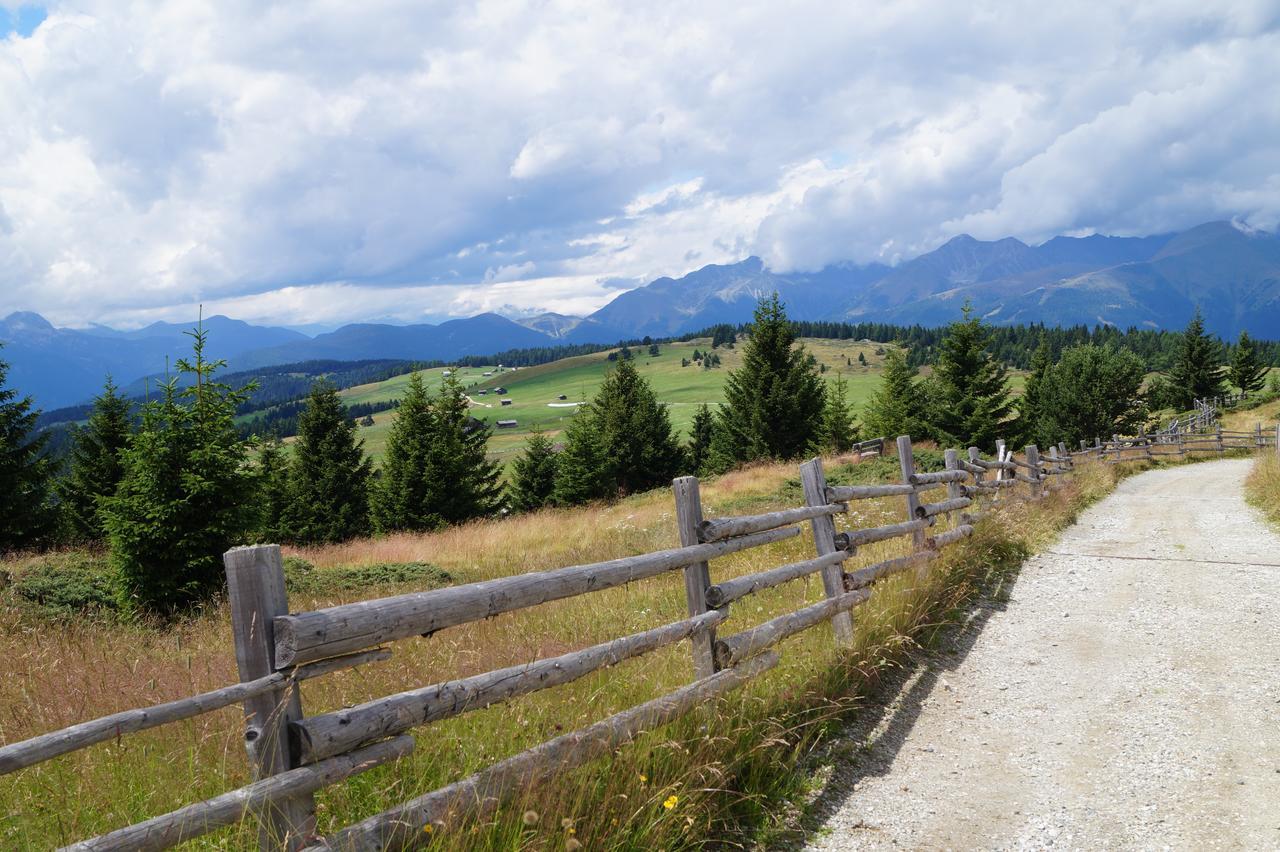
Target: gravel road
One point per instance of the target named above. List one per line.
(1126, 697)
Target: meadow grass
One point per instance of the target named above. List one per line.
(729, 771)
(1262, 486)
(534, 391)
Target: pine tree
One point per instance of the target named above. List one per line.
(700, 435)
(1246, 371)
(1028, 425)
(581, 475)
(838, 433)
(533, 476)
(184, 497)
(26, 472)
(466, 484)
(329, 477)
(1197, 370)
(1092, 391)
(973, 386)
(619, 443)
(273, 491)
(96, 467)
(404, 497)
(895, 407)
(773, 402)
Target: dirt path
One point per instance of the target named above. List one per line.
(1126, 697)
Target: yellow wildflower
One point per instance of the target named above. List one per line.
(671, 802)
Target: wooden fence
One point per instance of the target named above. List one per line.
(293, 754)
(1183, 444)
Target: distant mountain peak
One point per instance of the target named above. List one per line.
(26, 321)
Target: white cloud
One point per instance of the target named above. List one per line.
(444, 158)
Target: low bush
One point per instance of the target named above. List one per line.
(64, 585)
(303, 577)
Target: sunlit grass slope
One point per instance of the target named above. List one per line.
(535, 391)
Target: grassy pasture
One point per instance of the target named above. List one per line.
(732, 767)
(534, 391)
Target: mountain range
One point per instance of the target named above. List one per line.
(1231, 274)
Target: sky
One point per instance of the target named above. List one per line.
(315, 163)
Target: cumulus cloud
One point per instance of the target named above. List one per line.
(438, 159)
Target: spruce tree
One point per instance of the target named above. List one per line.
(581, 475)
(1197, 366)
(773, 402)
(1092, 391)
(404, 495)
(838, 434)
(973, 386)
(273, 491)
(465, 483)
(700, 435)
(533, 475)
(619, 443)
(895, 407)
(329, 477)
(1027, 427)
(26, 472)
(1247, 372)
(186, 493)
(96, 467)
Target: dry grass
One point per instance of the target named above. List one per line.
(730, 766)
(1262, 486)
(1247, 419)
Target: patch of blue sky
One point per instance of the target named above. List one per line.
(22, 20)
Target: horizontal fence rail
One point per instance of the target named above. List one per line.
(295, 755)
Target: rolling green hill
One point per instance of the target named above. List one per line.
(535, 391)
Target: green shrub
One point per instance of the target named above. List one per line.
(67, 585)
(301, 576)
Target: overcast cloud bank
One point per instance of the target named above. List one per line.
(329, 162)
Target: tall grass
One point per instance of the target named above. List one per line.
(726, 772)
(1262, 486)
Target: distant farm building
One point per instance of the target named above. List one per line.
(507, 424)
(499, 390)
(481, 393)
(505, 401)
(562, 396)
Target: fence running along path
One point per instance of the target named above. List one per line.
(293, 755)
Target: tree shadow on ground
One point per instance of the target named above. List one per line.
(876, 732)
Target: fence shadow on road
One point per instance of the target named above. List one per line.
(877, 731)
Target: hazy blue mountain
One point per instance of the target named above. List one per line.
(63, 366)
(478, 335)
(728, 293)
(1232, 276)
(1148, 281)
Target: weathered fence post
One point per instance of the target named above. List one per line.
(1278, 439)
(1259, 433)
(951, 461)
(975, 455)
(907, 464)
(999, 458)
(1033, 459)
(255, 585)
(813, 481)
(697, 576)
(1220, 447)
